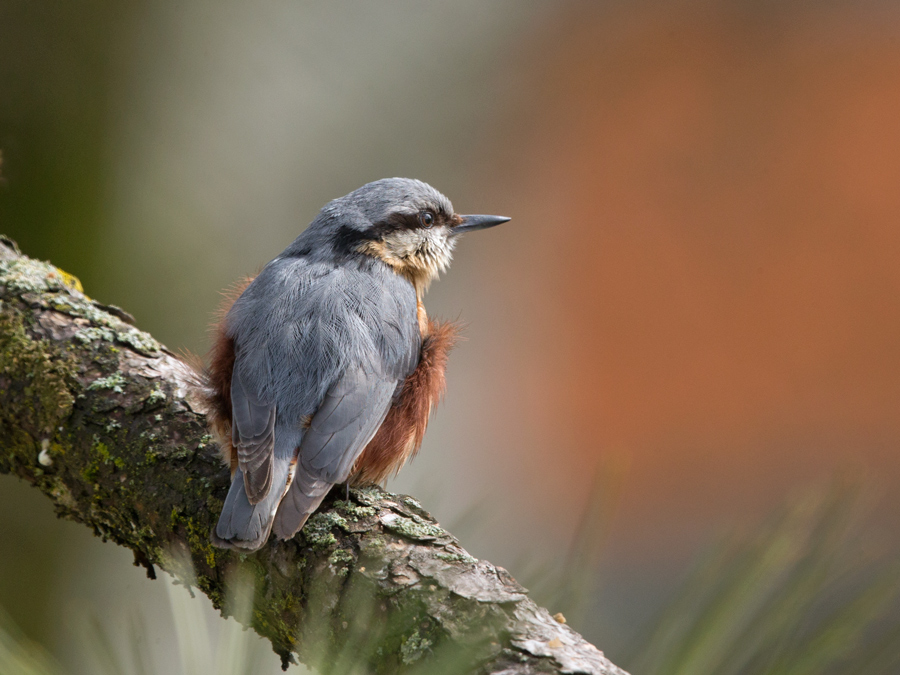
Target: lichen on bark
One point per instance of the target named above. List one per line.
(101, 418)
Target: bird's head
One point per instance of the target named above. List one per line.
(405, 223)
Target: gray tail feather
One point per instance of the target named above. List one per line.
(246, 526)
(302, 498)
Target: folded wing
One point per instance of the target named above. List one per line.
(350, 414)
(253, 438)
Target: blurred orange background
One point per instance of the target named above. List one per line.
(707, 204)
(698, 293)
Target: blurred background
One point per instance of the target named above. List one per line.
(693, 316)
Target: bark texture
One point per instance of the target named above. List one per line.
(101, 418)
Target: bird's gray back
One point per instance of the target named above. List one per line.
(303, 322)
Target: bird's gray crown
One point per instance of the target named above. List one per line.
(376, 202)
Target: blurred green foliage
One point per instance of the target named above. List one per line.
(19, 655)
(808, 593)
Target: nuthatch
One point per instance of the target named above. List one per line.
(326, 368)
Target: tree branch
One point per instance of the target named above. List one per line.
(101, 418)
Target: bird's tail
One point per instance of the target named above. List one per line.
(246, 526)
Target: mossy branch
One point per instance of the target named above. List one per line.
(101, 418)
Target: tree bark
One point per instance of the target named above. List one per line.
(105, 421)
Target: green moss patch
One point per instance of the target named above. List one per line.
(413, 529)
(318, 529)
(41, 376)
(353, 511)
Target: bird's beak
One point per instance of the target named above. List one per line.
(470, 223)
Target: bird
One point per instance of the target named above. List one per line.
(326, 367)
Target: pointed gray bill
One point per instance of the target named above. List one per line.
(470, 223)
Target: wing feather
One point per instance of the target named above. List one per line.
(253, 438)
(349, 416)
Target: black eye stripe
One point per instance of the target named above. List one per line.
(396, 222)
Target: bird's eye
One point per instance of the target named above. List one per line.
(426, 218)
